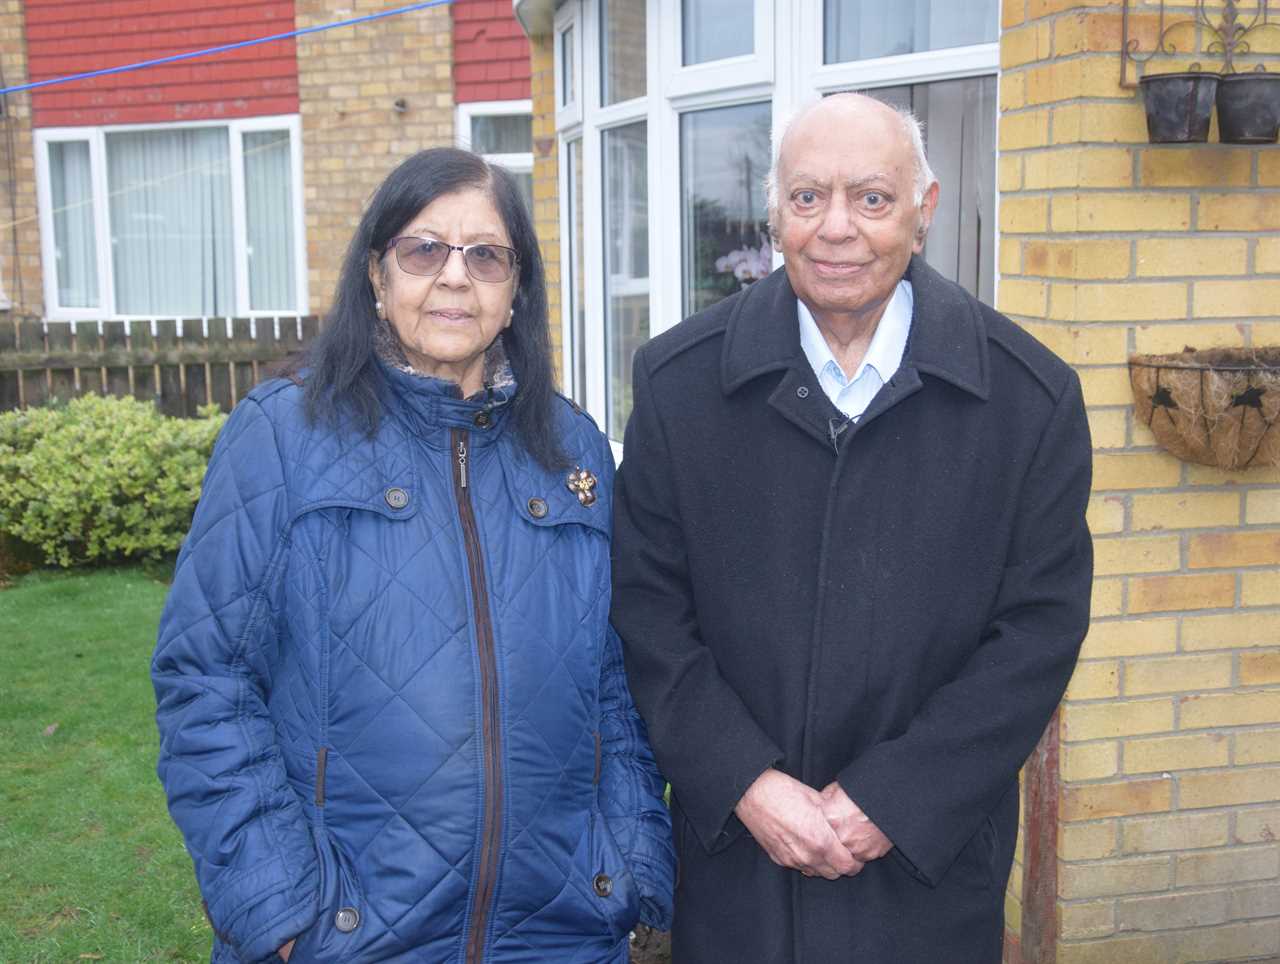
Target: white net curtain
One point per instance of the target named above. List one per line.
(169, 209)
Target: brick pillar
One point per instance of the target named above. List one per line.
(546, 186)
(21, 271)
(349, 80)
(1168, 780)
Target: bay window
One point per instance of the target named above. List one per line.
(664, 114)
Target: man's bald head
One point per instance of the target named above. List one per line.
(851, 109)
(852, 202)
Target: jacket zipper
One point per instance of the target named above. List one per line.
(492, 829)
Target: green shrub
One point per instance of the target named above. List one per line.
(101, 479)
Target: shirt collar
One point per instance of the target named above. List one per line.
(888, 344)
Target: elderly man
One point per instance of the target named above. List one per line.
(852, 574)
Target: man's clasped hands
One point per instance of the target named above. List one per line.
(820, 834)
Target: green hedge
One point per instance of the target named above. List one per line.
(101, 479)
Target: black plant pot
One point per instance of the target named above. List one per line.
(1249, 108)
(1179, 106)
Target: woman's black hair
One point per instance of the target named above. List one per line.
(342, 373)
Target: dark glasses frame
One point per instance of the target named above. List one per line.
(512, 261)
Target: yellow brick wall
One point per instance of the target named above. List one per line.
(546, 190)
(21, 274)
(1170, 734)
(352, 135)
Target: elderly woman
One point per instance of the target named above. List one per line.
(394, 720)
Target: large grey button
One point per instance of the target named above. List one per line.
(603, 885)
(347, 919)
(802, 392)
(537, 508)
(397, 498)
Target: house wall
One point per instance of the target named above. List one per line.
(70, 36)
(1166, 801)
(21, 272)
(353, 132)
(490, 52)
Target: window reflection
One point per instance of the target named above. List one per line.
(724, 156)
(568, 69)
(716, 29)
(622, 50)
(626, 232)
(959, 124)
(577, 269)
(860, 29)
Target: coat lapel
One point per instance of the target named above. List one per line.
(947, 341)
(948, 337)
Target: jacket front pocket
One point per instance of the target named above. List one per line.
(341, 926)
(974, 866)
(612, 885)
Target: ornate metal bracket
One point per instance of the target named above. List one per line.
(1228, 37)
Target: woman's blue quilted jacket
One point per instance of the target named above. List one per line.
(383, 692)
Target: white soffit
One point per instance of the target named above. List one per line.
(534, 15)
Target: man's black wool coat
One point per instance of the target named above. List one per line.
(897, 605)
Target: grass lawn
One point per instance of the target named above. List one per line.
(91, 867)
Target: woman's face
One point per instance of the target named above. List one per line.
(446, 321)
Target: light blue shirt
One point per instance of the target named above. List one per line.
(852, 395)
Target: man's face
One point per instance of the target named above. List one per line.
(847, 221)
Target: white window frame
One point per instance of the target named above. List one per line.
(746, 70)
(568, 110)
(97, 140)
(947, 63)
(569, 129)
(517, 162)
(786, 70)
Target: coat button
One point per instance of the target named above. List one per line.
(537, 508)
(347, 919)
(397, 498)
(802, 392)
(603, 885)
(482, 420)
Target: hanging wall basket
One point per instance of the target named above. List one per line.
(1179, 106)
(1217, 407)
(1249, 108)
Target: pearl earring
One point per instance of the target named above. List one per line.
(378, 309)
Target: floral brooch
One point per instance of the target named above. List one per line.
(582, 483)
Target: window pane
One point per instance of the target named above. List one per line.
(724, 156)
(75, 247)
(568, 78)
(268, 192)
(715, 29)
(502, 134)
(626, 268)
(171, 222)
(860, 29)
(960, 124)
(622, 50)
(577, 289)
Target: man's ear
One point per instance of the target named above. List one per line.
(928, 205)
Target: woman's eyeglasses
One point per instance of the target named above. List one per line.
(491, 263)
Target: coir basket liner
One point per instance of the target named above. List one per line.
(1218, 406)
